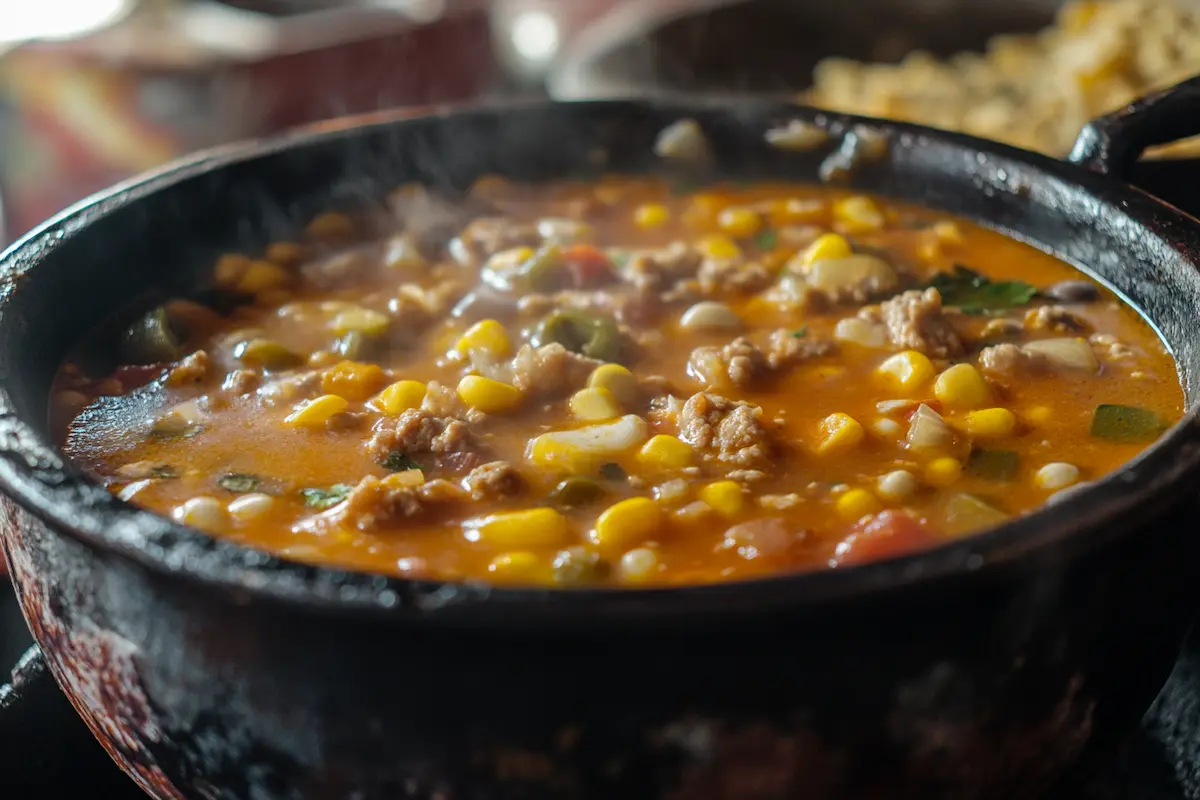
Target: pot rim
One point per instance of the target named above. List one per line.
(37, 477)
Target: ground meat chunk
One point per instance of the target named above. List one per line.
(494, 481)
(741, 362)
(440, 400)
(915, 321)
(731, 430)
(550, 369)
(486, 236)
(192, 369)
(1054, 318)
(241, 382)
(733, 275)
(377, 503)
(1007, 360)
(654, 271)
(417, 431)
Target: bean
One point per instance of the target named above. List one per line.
(1074, 292)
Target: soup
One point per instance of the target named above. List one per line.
(619, 382)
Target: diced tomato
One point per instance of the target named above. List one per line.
(888, 535)
(588, 266)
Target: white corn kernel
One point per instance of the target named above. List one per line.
(205, 513)
(896, 485)
(1057, 475)
(250, 506)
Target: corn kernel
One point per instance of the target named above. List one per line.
(896, 485)
(855, 504)
(1055, 476)
(360, 320)
(719, 248)
(948, 232)
(702, 211)
(991, 423)
(839, 433)
(651, 215)
(230, 268)
(907, 371)
(943, 472)
(962, 386)
(352, 380)
(929, 250)
(250, 506)
(797, 211)
(315, 413)
(858, 214)
(487, 335)
(403, 479)
(331, 225)
(519, 530)
(724, 497)
(666, 452)
(487, 395)
(205, 513)
(826, 246)
(638, 565)
(262, 276)
(627, 523)
(740, 223)
(616, 379)
(400, 397)
(1038, 415)
(594, 404)
(518, 565)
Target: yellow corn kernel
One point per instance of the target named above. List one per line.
(991, 423)
(352, 380)
(828, 245)
(262, 276)
(948, 232)
(360, 320)
(487, 335)
(962, 386)
(797, 211)
(518, 565)
(666, 452)
(519, 530)
(740, 223)
(839, 433)
(907, 371)
(594, 404)
(943, 472)
(720, 248)
(230, 268)
(315, 413)
(855, 504)
(858, 214)
(487, 395)
(403, 479)
(400, 397)
(651, 215)
(616, 379)
(1038, 415)
(930, 249)
(331, 225)
(724, 497)
(702, 211)
(627, 524)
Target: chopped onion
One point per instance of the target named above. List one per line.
(709, 315)
(928, 431)
(580, 446)
(834, 274)
(861, 332)
(968, 514)
(1073, 354)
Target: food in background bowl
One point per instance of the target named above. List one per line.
(1034, 91)
(621, 382)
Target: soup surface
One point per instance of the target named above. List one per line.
(619, 382)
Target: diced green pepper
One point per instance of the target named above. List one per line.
(238, 482)
(152, 339)
(994, 465)
(1118, 423)
(590, 335)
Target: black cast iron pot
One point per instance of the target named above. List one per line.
(986, 668)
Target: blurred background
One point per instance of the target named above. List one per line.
(93, 91)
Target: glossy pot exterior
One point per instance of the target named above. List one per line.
(989, 668)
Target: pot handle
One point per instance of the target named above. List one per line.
(1112, 144)
(38, 726)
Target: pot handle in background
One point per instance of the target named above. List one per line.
(1112, 144)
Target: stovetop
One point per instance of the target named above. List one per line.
(53, 752)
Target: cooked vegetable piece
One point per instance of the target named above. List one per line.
(398, 461)
(994, 465)
(151, 339)
(238, 482)
(968, 514)
(1119, 423)
(974, 293)
(592, 335)
(322, 499)
(576, 492)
